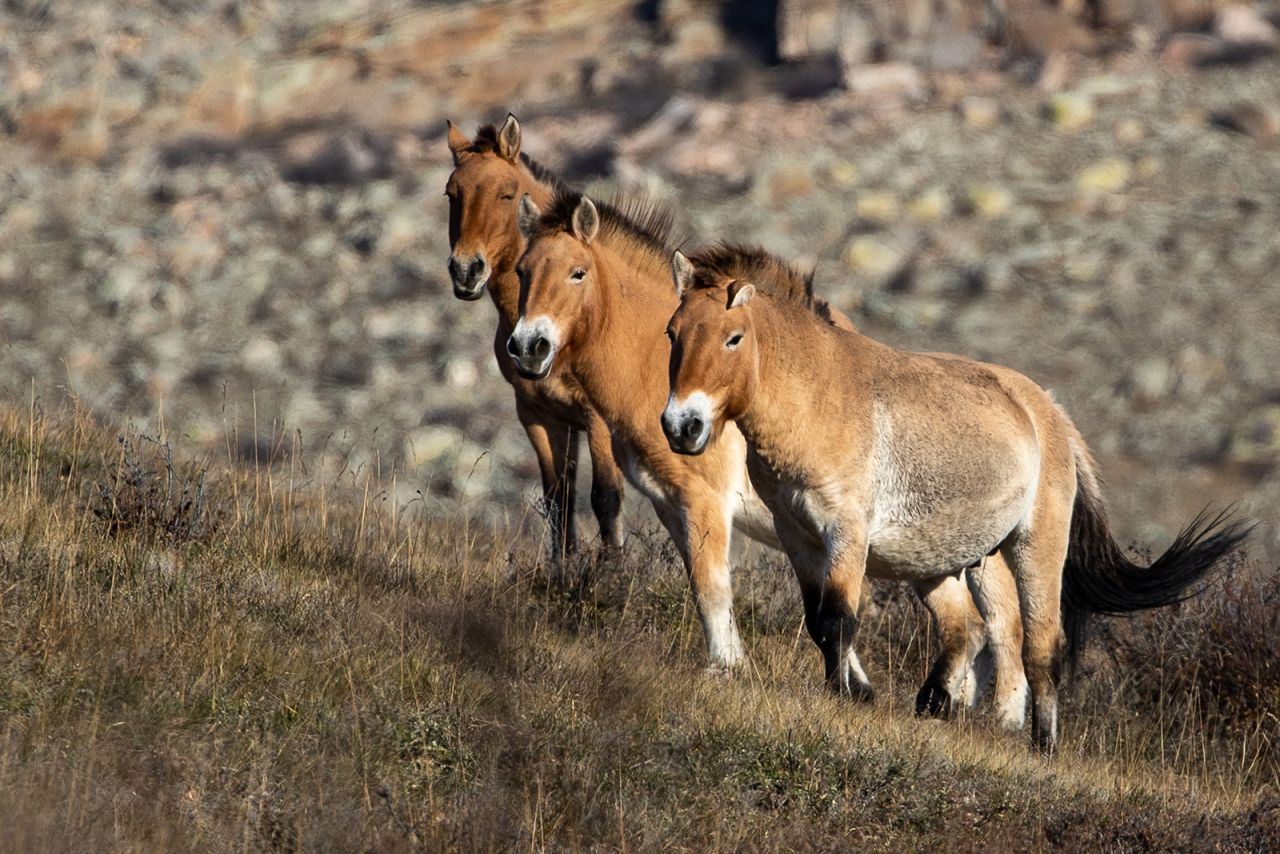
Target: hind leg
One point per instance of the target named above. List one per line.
(996, 596)
(952, 680)
(1036, 553)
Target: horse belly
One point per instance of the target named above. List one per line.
(939, 513)
(940, 544)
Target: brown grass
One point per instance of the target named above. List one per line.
(323, 670)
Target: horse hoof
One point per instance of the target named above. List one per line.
(933, 701)
(853, 690)
(718, 672)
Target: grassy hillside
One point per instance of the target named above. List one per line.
(199, 655)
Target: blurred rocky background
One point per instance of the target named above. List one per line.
(227, 217)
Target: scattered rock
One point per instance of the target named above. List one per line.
(874, 257)
(349, 157)
(1190, 50)
(1249, 119)
(843, 173)
(1243, 24)
(1257, 440)
(461, 374)
(979, 111)
(931, 205)
(989, 201)
(808, 28)
(1150, 380)
(879, 207)
(889, 80)
(1106, 176)
(1130, 131)
(786, 181)
(1071, 111)
(431, 444)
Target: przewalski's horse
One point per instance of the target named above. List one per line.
(964, 632)
(915, 466)
(595, 298)
(489, 177)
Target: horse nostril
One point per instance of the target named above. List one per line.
(541, 348)
(513, 348)
(456, 270)
(478, 266)
(693, 428)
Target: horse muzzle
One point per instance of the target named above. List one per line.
(469, 276)
(687, 430)
(532, 348)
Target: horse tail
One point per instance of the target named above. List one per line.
(1099, 579)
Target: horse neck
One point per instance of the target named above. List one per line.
(802, 363)
(504, 284)
(622, 356)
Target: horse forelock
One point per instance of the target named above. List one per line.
(722, 262)
(486, 142)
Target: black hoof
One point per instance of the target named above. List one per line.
(852, 690)
(933, 701)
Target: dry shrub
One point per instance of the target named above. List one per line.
(148, 494)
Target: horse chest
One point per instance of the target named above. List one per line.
(641, 476)
(814, 512)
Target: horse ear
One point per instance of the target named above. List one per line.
(586, 220)
(458, 143)
(681, 273)
(528, 216)
(740, 293)
(509, 139)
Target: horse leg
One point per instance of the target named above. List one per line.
(556, 448)
(831, 585)
(706, 529)
(996, 595)
(952, 679)
(606, 481)
(1036, 552)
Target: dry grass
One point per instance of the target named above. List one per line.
(302, 665)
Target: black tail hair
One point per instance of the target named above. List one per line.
(1099, 579)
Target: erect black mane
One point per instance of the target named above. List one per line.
(638, 218)
(726, 260)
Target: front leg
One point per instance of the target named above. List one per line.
(606, 481)
(701, 529)
(831, 572)
(555, 445)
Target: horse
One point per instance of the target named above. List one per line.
(915, 466)
(595, 296)
(490, 174)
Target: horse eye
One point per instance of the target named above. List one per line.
(578, 274)
(507, 197)
(734, 341)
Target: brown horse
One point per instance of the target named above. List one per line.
(490, 175)
(595, 298)
(954, 678)
(914, 466)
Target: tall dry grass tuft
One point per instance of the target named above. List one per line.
(294, 662)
